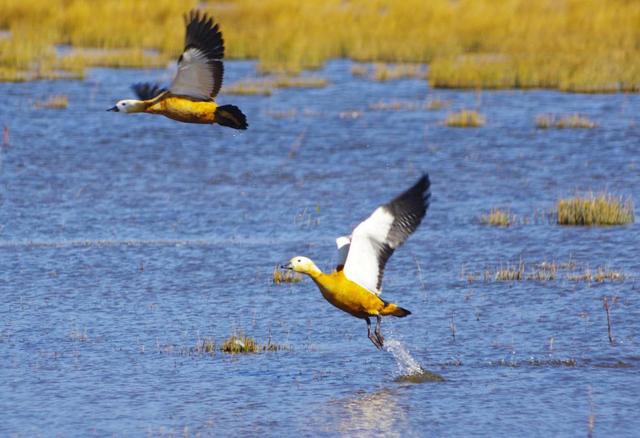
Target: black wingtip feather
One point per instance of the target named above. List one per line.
(204, 34)
(408, 210)
(146, 90)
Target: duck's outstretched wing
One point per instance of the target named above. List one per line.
(147, 90)
(374, 240)
(343, 243)
(200, 68)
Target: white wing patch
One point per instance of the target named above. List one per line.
(362, 266)
(376, 238)
(194, 77)
(343, 243)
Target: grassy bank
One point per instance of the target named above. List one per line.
(571, 45)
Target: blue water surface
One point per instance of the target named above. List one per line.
(126, 240)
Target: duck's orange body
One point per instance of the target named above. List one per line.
(351, 297)
(183, 108)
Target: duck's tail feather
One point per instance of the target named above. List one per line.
(230, 116)
(395, 310)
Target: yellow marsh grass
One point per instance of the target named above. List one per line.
(572, 45)
(498, 218)
(465, 119)
(53, 102)
(573, 121)
(601, 209)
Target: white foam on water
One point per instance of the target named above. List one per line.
(407, 364)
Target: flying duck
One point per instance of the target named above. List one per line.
(190, 97)
(355, 285)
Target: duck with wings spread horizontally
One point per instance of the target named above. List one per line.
(190, 97)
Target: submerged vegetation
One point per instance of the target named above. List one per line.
(574, 45)
(601, 209)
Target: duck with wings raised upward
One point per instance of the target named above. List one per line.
(190, 97)
(355, 285)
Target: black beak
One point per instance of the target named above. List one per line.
(287, 266)
(115, 108)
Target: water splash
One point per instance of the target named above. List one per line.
(407, 364)
(410, 370)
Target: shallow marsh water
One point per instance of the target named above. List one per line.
(125, 240)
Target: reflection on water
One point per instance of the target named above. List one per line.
(366, 413)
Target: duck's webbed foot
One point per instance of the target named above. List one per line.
(376, 338)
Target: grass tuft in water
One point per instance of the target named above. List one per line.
(570, 362)
(465, 119)
(285, 276)
(545, 271)
(239, 344)
(436, 104)
(598, 275)
(498, 218)
(510, 272)
(53, 102)
(206, 346)
(601, 209)
(571, 121)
